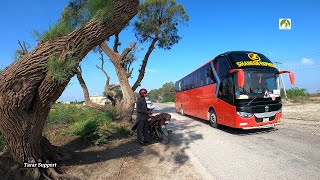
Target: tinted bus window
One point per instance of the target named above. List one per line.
(209, 74)
(222, 66)
(242, 60)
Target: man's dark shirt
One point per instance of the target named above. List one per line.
(142, 110)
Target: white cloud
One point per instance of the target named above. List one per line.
(152, 71)
(307, 61)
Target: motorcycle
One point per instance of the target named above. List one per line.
(158, 127)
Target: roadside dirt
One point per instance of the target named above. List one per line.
(124, 159)
(308, 111)
(302, 116)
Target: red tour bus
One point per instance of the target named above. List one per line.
(239, 89)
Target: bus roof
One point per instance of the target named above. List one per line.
(241, 60)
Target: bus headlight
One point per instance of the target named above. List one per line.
(244, 114)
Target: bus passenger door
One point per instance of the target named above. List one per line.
(226, 94)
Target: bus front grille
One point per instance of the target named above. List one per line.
(259, 120)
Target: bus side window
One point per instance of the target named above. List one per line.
(208, 74)
(223, 66)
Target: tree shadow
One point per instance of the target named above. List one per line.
(94, 154)
(83, 152)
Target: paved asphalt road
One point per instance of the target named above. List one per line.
(289, 151)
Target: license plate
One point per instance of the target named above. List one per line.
(265, 119)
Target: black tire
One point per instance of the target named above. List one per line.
(165, 136)
(158, 134)
(182, 111)
(162, 136)
(213, 119)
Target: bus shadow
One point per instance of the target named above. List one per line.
(245, 132)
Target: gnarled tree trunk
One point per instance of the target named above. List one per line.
(86, 94)
(27, 90)
(127, 105)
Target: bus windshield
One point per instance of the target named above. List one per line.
(258, 84)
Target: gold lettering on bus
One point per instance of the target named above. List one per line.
(254, 63)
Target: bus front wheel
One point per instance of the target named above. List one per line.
(213, 119)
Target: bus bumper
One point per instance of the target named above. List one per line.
(254, 122)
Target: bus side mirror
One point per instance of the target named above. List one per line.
(240, 76)
(291, 76)
(292, 80)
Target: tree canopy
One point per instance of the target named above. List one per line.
(163, 94)
(159, 20)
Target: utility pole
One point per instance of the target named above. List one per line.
(284, 88)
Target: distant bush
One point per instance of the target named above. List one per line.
(298, 94)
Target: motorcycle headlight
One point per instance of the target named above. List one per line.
(244, 114)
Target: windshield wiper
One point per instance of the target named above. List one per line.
(251, 100)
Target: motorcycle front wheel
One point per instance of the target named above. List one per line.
(163, 135)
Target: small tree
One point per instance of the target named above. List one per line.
(298, 94)
(154, 95)
(22, 50)
(167, 92)
(164, 94)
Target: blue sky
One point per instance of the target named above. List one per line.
(214, 28)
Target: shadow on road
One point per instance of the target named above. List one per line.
(236, 131)
(90, 155)
(245, 132)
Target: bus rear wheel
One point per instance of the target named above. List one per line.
(213, 119)
(182, 111)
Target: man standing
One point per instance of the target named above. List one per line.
(142, 118)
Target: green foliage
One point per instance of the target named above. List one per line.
(94, 125)
(90, 129)
(74, 15)
(23, 50)
(36, 35)
(160, 19)
(85, 127)
(122, 130)
(60, 70)
(154, 95)
(58, 30)
(101, 9)
(297, 94)
(164, 94)
(67, 113)
(2, 142)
